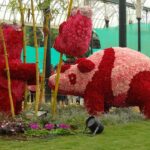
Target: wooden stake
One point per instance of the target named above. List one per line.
(54, 97)
(37, 62)
(8, 72)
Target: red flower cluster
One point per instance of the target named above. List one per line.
(74, 35)
(140, 92)
(14, 41)
(100, 85)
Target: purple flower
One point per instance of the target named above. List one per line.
(64, 126)
(49, 126)
(34, 126)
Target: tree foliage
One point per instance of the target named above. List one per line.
(40, 5)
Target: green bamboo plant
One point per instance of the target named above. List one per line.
(8, 72)
(23, 29)
(46, 34)
(41, 6)
(37, 61)
(24, 46)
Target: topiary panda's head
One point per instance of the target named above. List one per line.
(74, 78)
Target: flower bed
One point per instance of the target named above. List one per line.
(33, 128)
(11, 127)
(70, 120)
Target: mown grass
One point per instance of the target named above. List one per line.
(129, 136)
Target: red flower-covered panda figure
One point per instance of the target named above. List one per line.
(20, 73)
(117, 77)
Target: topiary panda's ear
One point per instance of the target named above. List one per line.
(85, 65)
(65, 67)
(79, 60)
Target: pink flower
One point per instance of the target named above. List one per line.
(64, 126)
(123, 73)
(34, 126)
(49, 126)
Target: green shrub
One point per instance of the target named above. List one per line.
(77, 115)
(121, 116)
(37, 133)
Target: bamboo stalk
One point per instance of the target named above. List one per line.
(23, 29)
(8, 73)
(54, 98)
(37, 63)
(69, 8)
(47, 18)
(24, 46)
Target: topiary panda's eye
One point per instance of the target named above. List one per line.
(72, 78)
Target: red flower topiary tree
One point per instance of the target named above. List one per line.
(20, 73)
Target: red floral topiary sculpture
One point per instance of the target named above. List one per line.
(20, 73)
(75, 33)
(117, 77)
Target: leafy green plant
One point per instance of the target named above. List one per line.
(44, 132)
(121, 116)
(30, 38)
(73, 115)
(13, 5)
(61, 132)
(40, 6)
(37, 133)
(76, 116)
(54, 33)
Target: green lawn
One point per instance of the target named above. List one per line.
(131, 136)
